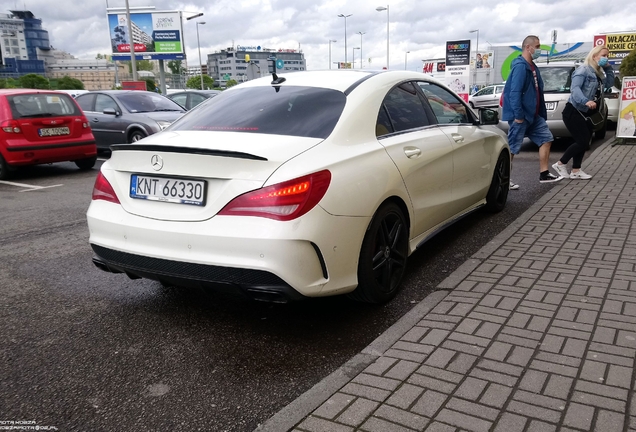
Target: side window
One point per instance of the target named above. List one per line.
(86, 102)
(383, 126)
(103, 101)
(180, 99)
(196, 99)
(499, 89)
(487, 91)
(404, 108)
(446, 106)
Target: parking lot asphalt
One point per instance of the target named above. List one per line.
(535, 332)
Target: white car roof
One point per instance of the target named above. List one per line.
(340, 80)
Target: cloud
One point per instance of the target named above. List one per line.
(80, 28)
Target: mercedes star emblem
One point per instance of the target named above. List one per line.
(157, 162)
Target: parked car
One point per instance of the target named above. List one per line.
(40, 126)
(488, 97)
(557, 78)
(317, 183)
(75, 92)
(612, 100)
(126, 116)
(191, 98)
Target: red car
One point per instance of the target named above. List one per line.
(43, 126)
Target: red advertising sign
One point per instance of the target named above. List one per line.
(133, 85)
(126, 47)
(428, 67)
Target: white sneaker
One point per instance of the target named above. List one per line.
(580, 175)
(513, 186)
(561, 170)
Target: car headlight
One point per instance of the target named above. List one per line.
(163, 124)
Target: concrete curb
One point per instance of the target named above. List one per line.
(305, 404)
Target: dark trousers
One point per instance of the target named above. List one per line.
(581, 131)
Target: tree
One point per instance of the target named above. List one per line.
(176, 67)
(195, 82)
(68, 83)
(141, 65)
(150, 84)
(34, 81)
(628, 65)
(230, 83)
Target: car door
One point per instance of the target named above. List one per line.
(474, 147)
(485, 97)
(112, 127)
(421, 152)
(195, 99)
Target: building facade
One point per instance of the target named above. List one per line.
(95, 74)
(231, 64)
(21, 35)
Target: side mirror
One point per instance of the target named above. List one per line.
(488, 117)
(111, 111)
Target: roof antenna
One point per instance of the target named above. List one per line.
(272, 69)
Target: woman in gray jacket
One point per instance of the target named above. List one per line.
(588, 82)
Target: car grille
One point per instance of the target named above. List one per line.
(207, 273)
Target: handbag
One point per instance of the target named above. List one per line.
(597, 117)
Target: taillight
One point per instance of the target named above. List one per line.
(501, 100)
(103, 190)
(11, 126)
(283, 201)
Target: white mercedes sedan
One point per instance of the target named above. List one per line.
(301, 185)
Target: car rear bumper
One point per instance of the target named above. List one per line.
(48, 153)
(315, 255)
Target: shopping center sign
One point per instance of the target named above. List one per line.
(619, 45)
(156, 35)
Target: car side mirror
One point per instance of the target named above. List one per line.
(488, 116)
(111, 111)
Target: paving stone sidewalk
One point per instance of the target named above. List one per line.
(537, 332)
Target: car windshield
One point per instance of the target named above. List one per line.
(557, 79)
(296, 111)
(42, 105)
(140, 102)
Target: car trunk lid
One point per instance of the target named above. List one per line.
(165, 170)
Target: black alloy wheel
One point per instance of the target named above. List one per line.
(383, 256)
(4, 169)
(500, 184)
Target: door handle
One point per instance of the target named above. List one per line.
(412, 152)
(95, 120)
(457, 137)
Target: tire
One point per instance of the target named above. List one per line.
(600, 134)
(86, 164)
(500, 185)
(135, 136)
(383, 256)
(4, 169)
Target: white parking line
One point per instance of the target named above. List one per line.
(30, 187)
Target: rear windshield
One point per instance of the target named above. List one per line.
(42, 105)
(557, 79)
(296, 111)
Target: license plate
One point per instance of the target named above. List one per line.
(550, 106)
(44, 132)
(166, 189)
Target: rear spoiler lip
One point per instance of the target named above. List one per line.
(187, 150)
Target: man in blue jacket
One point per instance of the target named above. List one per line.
(524, 108)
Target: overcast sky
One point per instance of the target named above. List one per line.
(80, 27)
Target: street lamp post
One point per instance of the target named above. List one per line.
(345, 18)
(405, 58)
(380, 9)
(330, 40)
(353, 56)
(361, 33)
(199, 46)
(476, 52)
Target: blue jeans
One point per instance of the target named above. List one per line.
(537, 131)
